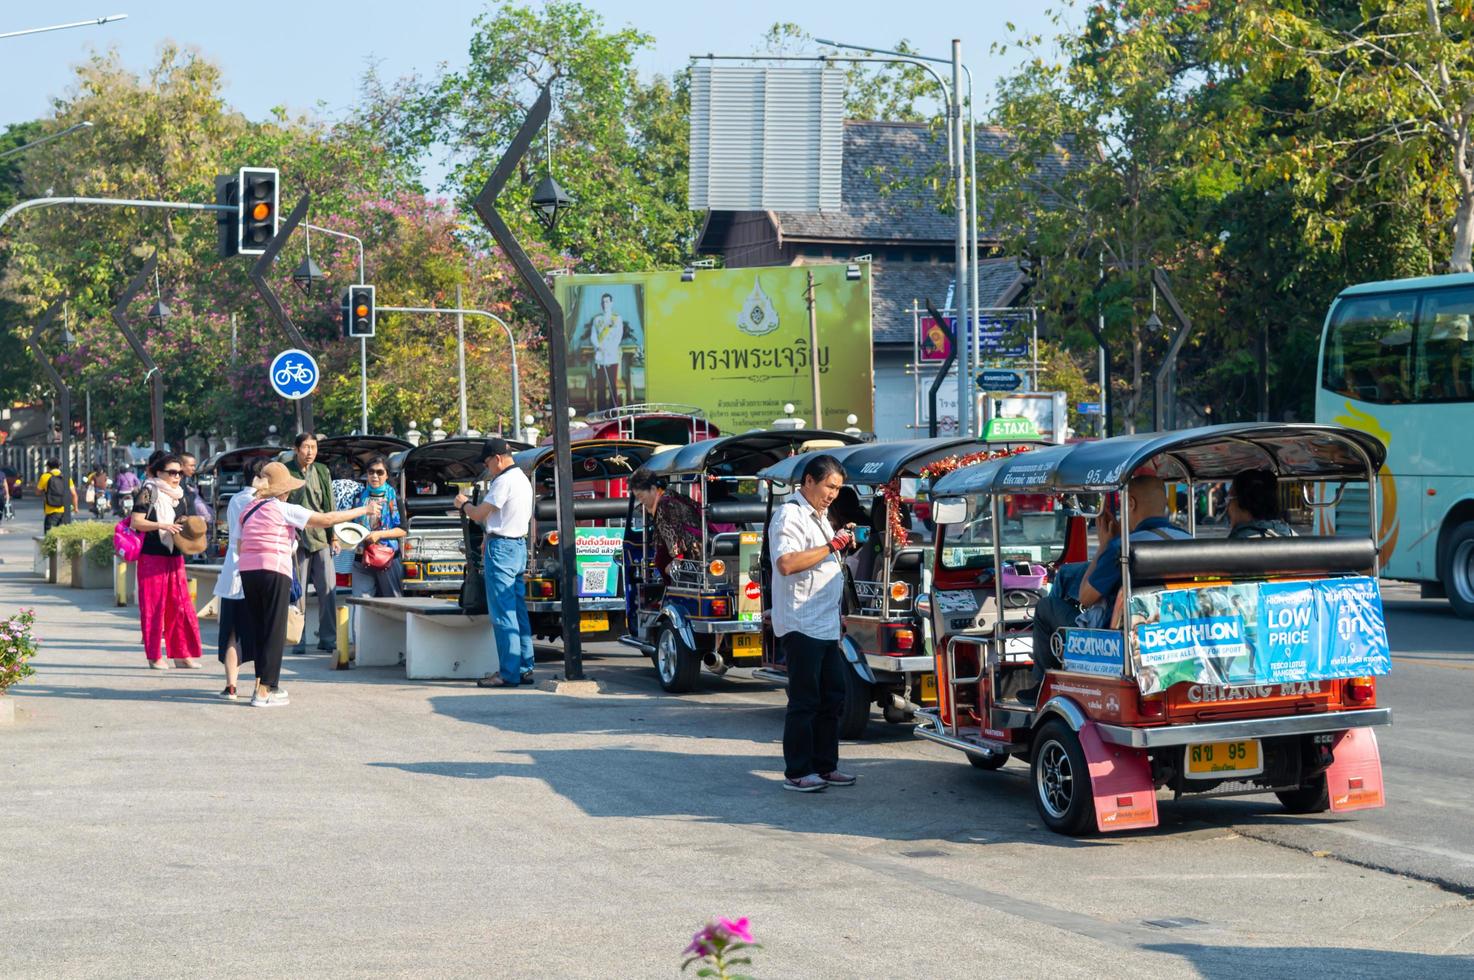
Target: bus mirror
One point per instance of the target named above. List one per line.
(949, 510)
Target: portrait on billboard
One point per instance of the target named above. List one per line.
(606, 346)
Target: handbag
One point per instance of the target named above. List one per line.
(473, 584)
(296, 622)
(127, 543)
(377, 555)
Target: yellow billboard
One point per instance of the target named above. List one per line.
(733, 342)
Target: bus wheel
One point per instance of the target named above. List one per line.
(677, 665)
(857, 698)
(1062, 780)
(1312, 797)
(989, 762)
(1456, 570)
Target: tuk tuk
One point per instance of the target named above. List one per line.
(220, 478)
(347, 456)
(884, 481)
(1225, 666)
(709, 612)
(429, 477)
(668, 425)
(601, 471)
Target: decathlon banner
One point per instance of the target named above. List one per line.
(1093, 651)
(1255, 634)
(732, 342)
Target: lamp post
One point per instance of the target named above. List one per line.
(548, 211)
(84, 124)
(305, 270)
(64, 398)
(94, 22)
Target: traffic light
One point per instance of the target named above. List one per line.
(256, 208)
(227, 222)
(358, 311)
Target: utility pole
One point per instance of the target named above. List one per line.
(814, 351)
(461, 358)
(965, 329)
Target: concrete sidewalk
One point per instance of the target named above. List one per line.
(377, 827)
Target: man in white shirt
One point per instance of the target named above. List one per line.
(808, 588)
(505, 514)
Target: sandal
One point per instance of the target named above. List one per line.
(495, 680)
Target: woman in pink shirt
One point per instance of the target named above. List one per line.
(268, 540)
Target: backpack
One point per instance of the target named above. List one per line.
(56, 491)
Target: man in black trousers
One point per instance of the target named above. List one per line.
(808, 588)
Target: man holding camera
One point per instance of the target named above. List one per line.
(808, 588)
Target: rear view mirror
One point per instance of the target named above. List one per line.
(949, 510)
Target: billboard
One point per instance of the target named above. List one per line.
(733, 342)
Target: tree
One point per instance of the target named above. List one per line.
(1389, 113)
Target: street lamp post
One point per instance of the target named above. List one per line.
(84, 124)
(362, 341)
(486, 209)
(64, 399)
(511, 346)
(94, 22)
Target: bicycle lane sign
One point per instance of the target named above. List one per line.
(293, 374)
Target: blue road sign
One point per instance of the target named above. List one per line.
(1089, 408)
(996, 379)
(293, 374)
(994, 337)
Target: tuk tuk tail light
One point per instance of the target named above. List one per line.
(900, 591)
(545, 588)
(407, 547)
(717, 568)
(411, 569)
(552, 539)
(1153, 708)
(718, 606)
(905, 639)
(1360, 690)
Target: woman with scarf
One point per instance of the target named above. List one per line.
(384, 529)
(165, 611)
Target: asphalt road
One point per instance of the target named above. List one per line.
(1427, 827)
(382, 827)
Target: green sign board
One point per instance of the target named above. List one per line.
(733, 341)
(1004, 429)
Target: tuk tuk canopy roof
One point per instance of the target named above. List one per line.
(357, 450)
(739, 455)
(878, 462)
(236, 459)
(447, 460)
(1324, 453)
(593, 459)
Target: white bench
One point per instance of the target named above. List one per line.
(434, 639)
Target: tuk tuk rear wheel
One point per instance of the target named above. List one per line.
(989, 762)
(676, 664)
(857, 698)
(1311, 797)
(1061, 780)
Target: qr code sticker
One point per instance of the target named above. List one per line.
(596, 579)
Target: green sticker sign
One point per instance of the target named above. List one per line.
(1004, 429)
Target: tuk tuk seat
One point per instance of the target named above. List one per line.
(737, 512)
(601, 509)
(1162, 561)
(726, 545)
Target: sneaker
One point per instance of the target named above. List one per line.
(299, 651)
(229, 693)
(808, 784)
(276, 699)
(837, 778)
(327, 647)
(159, 664)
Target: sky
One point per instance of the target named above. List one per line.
(309, 54)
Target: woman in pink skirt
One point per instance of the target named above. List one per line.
(165, 610)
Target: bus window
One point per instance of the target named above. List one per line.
(1369, 348)
(1445, 357)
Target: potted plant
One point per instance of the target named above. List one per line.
(17, 646)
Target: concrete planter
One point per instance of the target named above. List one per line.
(86, 575)
(41, 564)
(61, 573)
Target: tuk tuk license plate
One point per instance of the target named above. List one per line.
(594, 622)
(747, 645)
(928, 687)
(1214, 760)
(446, 568)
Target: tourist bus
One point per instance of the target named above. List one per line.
(1397, 361)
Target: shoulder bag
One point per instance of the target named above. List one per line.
(473, 584)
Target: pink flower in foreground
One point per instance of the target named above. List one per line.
(700, 943)
(736, 930)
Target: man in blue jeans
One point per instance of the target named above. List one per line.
(505, 513)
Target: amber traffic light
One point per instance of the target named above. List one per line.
(358, 311)
(257, 207)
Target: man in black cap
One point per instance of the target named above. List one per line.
(505, 512)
